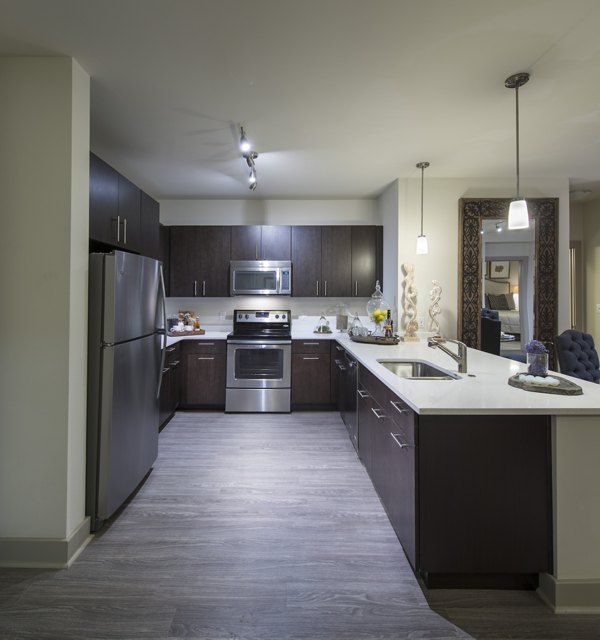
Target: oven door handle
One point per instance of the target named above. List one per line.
(258, 342)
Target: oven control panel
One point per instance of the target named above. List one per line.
(266, 317)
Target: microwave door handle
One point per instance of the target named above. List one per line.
(278, 280)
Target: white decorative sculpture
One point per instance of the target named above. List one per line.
(434, 308)
(410, 303)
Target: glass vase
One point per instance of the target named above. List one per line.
(537, 364)
(378, 331)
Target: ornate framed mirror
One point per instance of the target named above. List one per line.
(472, 213)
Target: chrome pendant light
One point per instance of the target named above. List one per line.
(422, 246)
(518, 216)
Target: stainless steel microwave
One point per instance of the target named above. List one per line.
(260, 277)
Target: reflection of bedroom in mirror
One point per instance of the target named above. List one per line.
(480, 221)
(508, 276)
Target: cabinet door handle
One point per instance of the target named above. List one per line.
(208, 344)
(310, 344)
(195, 287)
(165, 370)
(378, 413)
(325, 288)
(311, 358)
(398, 408)
(118, 228)
(341, 367)
(174, 363)
(338, 348)
(402, 445)
(204, 287)
(363, 394)
(206, 358)
(355, 288)
(124, 230)
(317, 287)
(256, 251)
(170, 349)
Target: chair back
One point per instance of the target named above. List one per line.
(577, 355)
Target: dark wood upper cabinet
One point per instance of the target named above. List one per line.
(261, 242)
(149, 226)
(336, 261)
(129, 214)
(104, 201)
(121, 215)
(306, 261)
(165, 255)
(200, 261)
(366, 260)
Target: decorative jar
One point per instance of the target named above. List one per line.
(537, 364)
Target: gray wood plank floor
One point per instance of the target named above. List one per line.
(257, 527)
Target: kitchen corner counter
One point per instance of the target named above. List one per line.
(209, 335)
(484, 389)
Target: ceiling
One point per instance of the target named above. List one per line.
(339, 97)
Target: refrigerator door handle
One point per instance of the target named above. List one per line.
(163, 352)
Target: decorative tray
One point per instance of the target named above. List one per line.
(180, 334)
(375, 339)
(565, 388)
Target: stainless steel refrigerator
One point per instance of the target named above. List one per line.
(126, 347)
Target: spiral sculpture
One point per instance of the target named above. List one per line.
(434, 308)
(410, 302)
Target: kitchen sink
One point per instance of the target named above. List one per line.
(417, 370)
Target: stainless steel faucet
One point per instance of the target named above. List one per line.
(460, 357)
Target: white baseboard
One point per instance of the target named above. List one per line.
(570, 596)
(44, 553)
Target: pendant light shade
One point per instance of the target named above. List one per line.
(422, 245)
(518, 216)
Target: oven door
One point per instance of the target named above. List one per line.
(252, 364)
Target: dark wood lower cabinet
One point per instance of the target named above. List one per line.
(311, 375)
(205, 366)
(468, 496)
(170, 390)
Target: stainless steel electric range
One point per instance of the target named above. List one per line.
(259, 356)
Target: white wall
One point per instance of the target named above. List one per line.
(232, 212)
(591, 270)
(44, 128)
(387, 204)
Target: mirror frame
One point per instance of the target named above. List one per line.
(472, 212)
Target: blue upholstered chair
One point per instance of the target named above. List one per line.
(577, 355)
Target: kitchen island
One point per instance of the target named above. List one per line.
(573, 585)
(573, 581)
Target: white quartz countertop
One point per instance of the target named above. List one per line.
(483, 390)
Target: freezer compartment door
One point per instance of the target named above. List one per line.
(131, 296)
(128, 437)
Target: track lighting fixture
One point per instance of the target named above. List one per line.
(422, 246)
(518, 216)
(250, 156)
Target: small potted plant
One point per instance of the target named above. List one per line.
(537, 358)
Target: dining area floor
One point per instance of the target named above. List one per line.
(258, 527)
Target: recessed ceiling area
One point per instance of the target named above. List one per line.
(339, 97)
